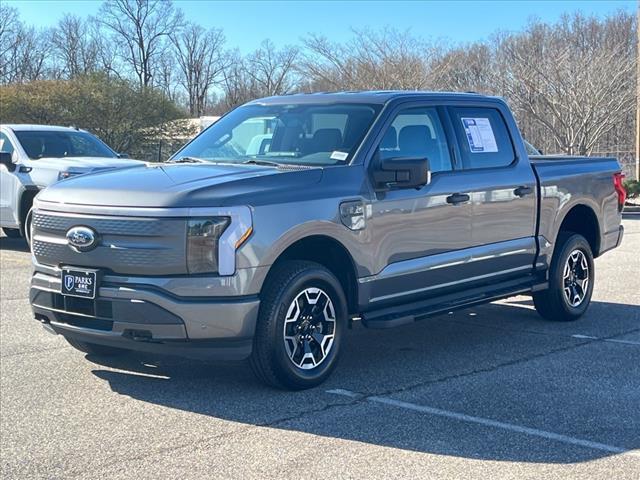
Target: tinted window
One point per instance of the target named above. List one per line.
(296, 134)
(58, 144)
(483, 137)
(417, 132)
(5, 144)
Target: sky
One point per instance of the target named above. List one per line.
(247, 23)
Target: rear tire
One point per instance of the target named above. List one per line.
(94, 348)
(571, 279)
(302, 319)
(12, 232)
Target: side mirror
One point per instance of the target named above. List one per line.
(123, 155)
(7, 160)
(401, 172)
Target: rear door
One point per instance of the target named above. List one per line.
(502, 185)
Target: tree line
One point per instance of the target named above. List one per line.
(571, 84)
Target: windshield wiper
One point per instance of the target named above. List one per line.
(253, 161)
(188, 160)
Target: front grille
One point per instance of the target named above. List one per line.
(139, 226)
(127, 245)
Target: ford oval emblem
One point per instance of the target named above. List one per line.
(82, 239)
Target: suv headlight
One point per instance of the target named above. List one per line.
(203, 237)
(65, 175)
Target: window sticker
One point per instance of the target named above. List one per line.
(479, 135)
(340, 156)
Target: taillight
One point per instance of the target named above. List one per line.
(618, 178)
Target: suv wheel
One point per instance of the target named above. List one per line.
(94, 348)
(302, 320)
(570, 280)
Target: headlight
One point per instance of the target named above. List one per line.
(203, 237)
(214, 236)
(63, 175)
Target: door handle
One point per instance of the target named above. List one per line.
(457, 198)
(522, 190)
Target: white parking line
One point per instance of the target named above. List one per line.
(345, 393)
(612, 340)
(490, 423)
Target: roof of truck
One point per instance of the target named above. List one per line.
(18, 127)
(375, 96)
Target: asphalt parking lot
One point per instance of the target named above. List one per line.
(491, 392)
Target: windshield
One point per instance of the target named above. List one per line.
(294, 134)
(58, 144)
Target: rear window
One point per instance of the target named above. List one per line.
(483, 137)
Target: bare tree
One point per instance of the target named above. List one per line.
(25, 51)
(201, 62)
(387, 59)
(10, 27)
(166, 75)
(141, 29)
(267, 71)
(575, 81)
(237, 86)
(468, 68)
(272, 70)
(77, 49)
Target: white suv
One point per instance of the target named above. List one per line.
(33, 157)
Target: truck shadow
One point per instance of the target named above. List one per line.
(498, 361)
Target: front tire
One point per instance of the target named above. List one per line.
(302, 320)
(94, 348)
(571, 279)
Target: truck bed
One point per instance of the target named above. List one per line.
(566, 181)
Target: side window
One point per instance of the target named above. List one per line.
(417, 132)
(483, 137)
(5, 144)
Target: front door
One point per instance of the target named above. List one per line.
(418, 235)
(8, 187)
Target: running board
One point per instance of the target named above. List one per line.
(408, 313)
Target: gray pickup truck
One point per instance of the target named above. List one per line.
(267, 235)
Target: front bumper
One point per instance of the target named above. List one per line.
(148, 319)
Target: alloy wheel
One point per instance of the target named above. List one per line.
(309, 328)
(576, 278)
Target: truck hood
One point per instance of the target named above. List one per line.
(86, 164)
(179, 185)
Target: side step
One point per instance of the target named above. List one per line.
(403, 314)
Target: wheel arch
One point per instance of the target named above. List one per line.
(331, 254)
(582, 219)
